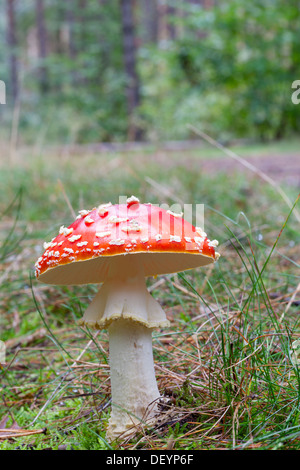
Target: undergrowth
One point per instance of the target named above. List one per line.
(226, 367)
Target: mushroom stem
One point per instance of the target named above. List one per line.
(124, 295)
(133, 384)
(124, 306)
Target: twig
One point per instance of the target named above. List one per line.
(26, 339)
(9, 433)
(185, 291)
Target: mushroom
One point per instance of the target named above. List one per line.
(118, 246)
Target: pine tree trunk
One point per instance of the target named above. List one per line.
(12, 43)
(42, 44)
(129, 54)
(170, 13)
(150, 20)
(70, 20)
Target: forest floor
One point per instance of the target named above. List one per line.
(282, 168)
(280, 162)
(227, 363)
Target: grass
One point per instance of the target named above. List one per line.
(225, 365)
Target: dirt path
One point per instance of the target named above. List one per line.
(281, 168)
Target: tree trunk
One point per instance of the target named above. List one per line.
(150, 20)
(71, 20)
(42, 44)
(171, 28)
(129, 54)
(12, 43)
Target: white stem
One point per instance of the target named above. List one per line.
(124, 306)
(133, 383)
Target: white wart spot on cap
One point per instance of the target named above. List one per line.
(175, 238)
(88, 220)
(199, 240)
(83, 213)
(132, 200)
(175, 214)
(200, 231)
(103, 234)
(116, 220)
(74, 238)
(103, 209)
(82, 244)
(118, 241)
(69, 250)
(65, 231)
(40, 259)
(133, 226)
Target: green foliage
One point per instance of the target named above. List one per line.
(229, 70)
(230, 73)
(90, 439)
(85, 97)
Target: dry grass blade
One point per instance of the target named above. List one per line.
(73, 213)
(84, 349)
(292, 299)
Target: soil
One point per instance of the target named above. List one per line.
(281, 168)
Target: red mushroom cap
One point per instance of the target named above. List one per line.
(164, 241)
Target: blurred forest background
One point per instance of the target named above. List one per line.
(127, 70)
(85, 77)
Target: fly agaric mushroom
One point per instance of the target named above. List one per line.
(118, 246)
